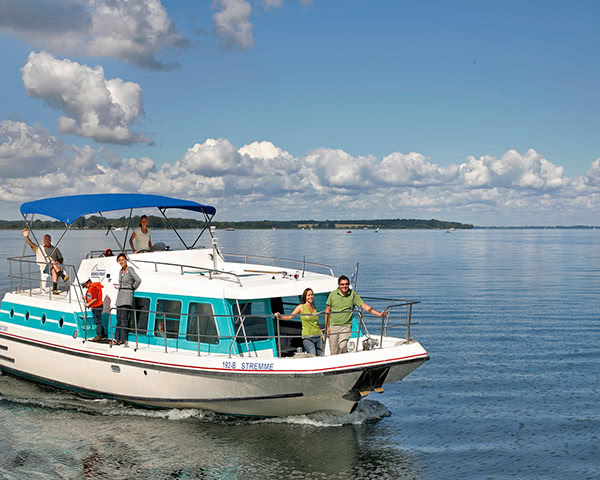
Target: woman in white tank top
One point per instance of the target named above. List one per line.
(141, 239)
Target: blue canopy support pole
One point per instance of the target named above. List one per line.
(127, 230)
(29, 224)
(206, 225)
(162, 211)
(67, 228)
(111, 231)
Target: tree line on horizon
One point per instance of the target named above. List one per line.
(95, 222)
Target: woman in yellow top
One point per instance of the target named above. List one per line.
(312, 336)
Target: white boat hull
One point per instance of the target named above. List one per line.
(256, 386)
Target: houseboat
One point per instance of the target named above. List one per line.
(203, 333)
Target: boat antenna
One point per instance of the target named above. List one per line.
(214, 246)
(355, 277)
(303, 265)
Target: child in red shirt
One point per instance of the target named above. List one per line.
(93, 300)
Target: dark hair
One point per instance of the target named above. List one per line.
(121, 255)
(142, 217)
(343, 277)
(305, 293)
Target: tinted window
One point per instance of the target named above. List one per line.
(321, 301)
(168, 314)
(201, 324)
(142, 306)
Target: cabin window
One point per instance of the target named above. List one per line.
(142, 307)
(255, 322)
(168, 314)
(201, 324)
(321, 301)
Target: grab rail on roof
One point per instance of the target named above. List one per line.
(302, 263)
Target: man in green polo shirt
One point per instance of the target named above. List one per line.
(339, 323)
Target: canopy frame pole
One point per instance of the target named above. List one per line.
(111, 231)
(162, 211)
(127, 230)
(29, 227)
(29, 223)
(206, 225)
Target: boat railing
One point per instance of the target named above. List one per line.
(193, 269)
(397, 315)
(183, 269)
(280, 262)
(27, 274)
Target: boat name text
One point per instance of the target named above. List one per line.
(249, 365)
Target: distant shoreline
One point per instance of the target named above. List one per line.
(101, 223)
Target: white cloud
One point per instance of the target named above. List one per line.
(95, 107)
(530, 171)
(261, 180)
(135, 31)
(213, 157)
(232, 23)
(27, 150)
(273, 3)
(338, 169)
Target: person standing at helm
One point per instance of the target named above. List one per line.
(141, 239)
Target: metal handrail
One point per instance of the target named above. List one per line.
(32, 275)
(274, 259)
(176, 336)
(210, 271)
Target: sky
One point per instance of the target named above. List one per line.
(477, 112)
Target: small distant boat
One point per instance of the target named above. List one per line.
(377, 230)
(348, 231)
(230, 229)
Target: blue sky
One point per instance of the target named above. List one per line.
(480, 112)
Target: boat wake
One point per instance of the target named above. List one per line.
(17, 392)
(367, 411)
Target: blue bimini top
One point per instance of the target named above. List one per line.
(68, 209)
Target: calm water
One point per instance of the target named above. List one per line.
(512, 390)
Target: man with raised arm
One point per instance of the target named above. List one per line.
(52, 256)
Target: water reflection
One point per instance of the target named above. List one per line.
(63, 435)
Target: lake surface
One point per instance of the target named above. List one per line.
(510, 318)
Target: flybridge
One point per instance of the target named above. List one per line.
(68, 209)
